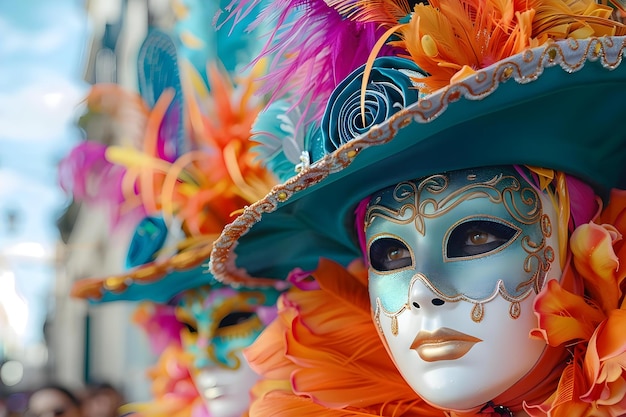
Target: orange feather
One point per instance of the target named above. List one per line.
(384, 12)
(445, 37)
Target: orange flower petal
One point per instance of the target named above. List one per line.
(605, 365)
(615, 214)
(564, 402)
(592, 246)
(564, 316)
(595, 259)
(609, 339)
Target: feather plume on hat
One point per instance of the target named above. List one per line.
(315, 44)
(450, 39)
(311, 48)
(200, 189)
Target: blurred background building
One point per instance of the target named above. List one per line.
(49, 54)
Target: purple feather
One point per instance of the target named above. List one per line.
(168, 146)
(90, 178)
(310, 50)
(583, 203)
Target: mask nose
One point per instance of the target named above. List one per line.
(421, 297)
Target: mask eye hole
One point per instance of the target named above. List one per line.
(235, 318)
(478, 237)
(389, 254)
(191, 328)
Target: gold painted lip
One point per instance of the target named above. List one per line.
(443, 344)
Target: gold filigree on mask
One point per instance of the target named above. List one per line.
(394, 325)
(234, 361)
(393, 316)
(478, 311)
(540, 257)
(522, 203)
(501, 189)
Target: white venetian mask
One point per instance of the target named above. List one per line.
(455, 263)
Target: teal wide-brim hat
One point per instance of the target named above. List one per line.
(152, 273)
(159, 282)
(557, 106)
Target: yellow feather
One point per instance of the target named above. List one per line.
(546, 176)
(429, 46)
(179, 170)
(563, 215)
(132, 158)
(190, 40)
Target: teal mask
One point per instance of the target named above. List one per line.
(221, 321)
(467, 235)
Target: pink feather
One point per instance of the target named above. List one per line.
(83, 172)
(90, 178)
(310, 49)
(583, 204)
(359, 223)
(160, 325)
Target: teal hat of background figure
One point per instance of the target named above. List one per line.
(149, 237)
(163, 289)
(530, 109)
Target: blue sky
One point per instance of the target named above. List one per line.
(42, 56)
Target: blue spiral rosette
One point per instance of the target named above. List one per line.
(391, 87)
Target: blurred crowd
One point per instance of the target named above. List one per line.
(54, 400)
